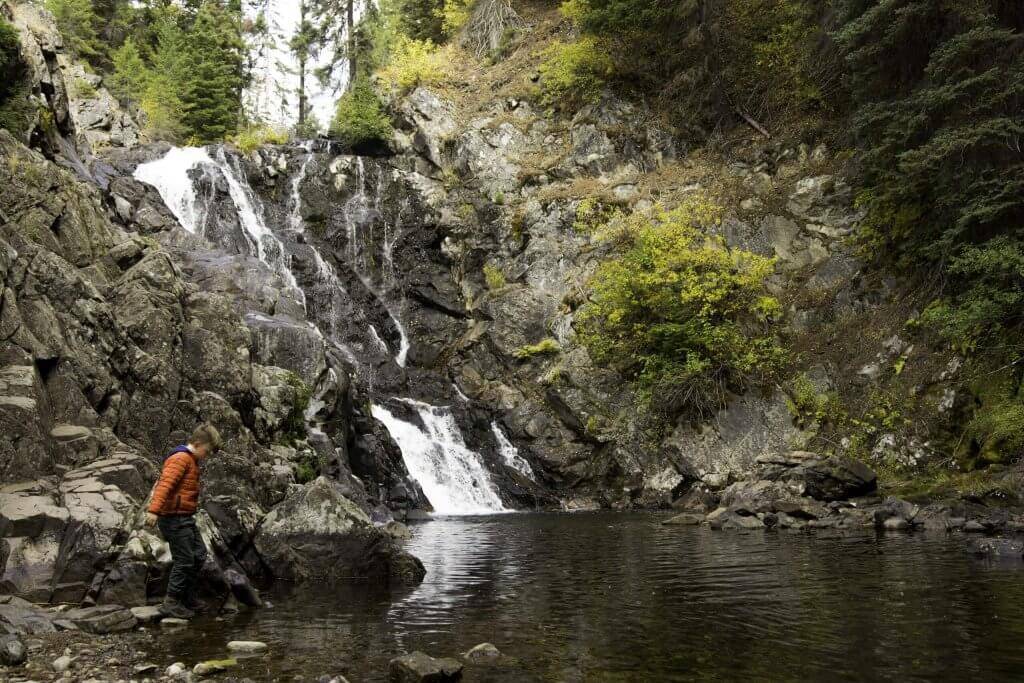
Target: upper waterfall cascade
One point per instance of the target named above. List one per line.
(452, 476)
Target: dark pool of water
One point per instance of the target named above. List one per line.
(618, 597)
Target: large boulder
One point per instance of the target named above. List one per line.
(317, 534)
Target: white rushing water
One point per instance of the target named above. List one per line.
(170, 175)
(453, 477)
(510, 454)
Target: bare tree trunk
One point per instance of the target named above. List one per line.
(303, 55)
(352, 57)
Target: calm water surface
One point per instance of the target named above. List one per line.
(618, 597)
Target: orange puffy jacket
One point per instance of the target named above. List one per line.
(177, 491)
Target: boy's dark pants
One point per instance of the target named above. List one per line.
(188, 552)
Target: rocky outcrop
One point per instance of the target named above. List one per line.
(78, 107)
(110, 353)
(317, 534)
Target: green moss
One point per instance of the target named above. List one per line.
(544, 347)
(494, 277)
(294, 428)
(808, 406)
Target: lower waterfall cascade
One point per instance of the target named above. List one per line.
(452, 476)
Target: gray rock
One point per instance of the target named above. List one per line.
(319, 534)
(213, 666)
(102, 619)
(685, 519)
(62, 664)
(422, 668)
(483, 651)
(1001, 548)
(147, 614)
(12, 650)
(246, 646)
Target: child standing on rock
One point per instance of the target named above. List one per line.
(173, 507)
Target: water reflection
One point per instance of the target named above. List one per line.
(614, 597)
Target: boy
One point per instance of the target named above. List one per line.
(173, 507)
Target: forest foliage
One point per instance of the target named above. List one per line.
(181, 65)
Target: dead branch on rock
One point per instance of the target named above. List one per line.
(488, 24)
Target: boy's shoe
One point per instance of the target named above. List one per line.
(172, 607)
(194, 604)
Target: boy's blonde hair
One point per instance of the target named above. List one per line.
(207, 435)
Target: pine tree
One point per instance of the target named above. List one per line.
(77, 23)
(938, 91)
(130, 77)
(213, 85)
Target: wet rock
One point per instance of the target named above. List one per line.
(1001, 548)
(173, 623)
(896, 524)
(319, 534)
(483, 651)
(975, 527)
(147, 614)
(12, 650)
(247, 646)
(213, 666)
(422, 668)
(102, 619)
(685, 519)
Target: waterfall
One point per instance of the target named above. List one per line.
(170, 175)
(452, 477)
(510, 454)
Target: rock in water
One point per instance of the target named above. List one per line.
(1001, 548)
(213, 666)
(147, 614)
(422, 668)
(685, 519)
(483, 651)
(12, 651)
(247, 646)
(319, 534)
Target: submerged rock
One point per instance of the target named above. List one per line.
(1001, 548)
(483, 651)
(422, 668)
(247, 646)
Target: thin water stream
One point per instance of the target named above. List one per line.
(618, 597)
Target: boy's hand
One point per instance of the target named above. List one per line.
(150, 519)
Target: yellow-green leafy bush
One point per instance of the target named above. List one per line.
(413, 63)
(680, 312)
(574, 72)
(254, 137)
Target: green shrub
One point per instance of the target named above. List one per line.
(544, 347)
(84, 89)
(360, 119)
(294, 427)
(453, 15)
(681, 313)
(573, 73)
(413, 63)
(17, 110)
(254, 137)
(494, 277)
